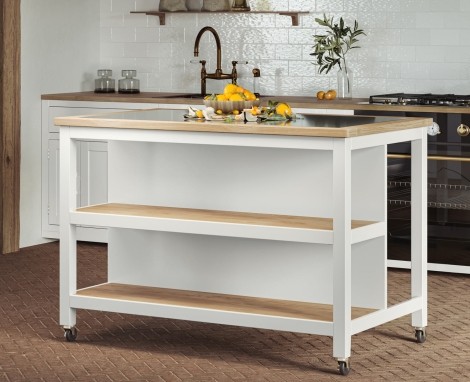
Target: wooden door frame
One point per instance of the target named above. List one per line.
(10, 117)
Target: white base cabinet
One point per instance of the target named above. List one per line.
(266, 231)
(91, 166)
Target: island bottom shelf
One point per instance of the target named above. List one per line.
(215, 302)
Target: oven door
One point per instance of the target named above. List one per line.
(448, 197)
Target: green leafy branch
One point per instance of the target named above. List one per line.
(330, 49)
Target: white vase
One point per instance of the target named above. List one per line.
(345, 82)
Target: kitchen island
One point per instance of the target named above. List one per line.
(278, 225)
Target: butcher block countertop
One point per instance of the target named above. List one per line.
(310, 125)
(294, 101)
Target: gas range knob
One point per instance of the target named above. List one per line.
(463, 130)
(434, 129)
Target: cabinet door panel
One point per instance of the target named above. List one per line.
(53, 182)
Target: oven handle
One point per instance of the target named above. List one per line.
(432, 157)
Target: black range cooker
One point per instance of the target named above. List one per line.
(448, 179)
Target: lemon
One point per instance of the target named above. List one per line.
(237, 97)
(219, 112)
(249, 96)
(221, 97)
(255, 110)
(283, 109)
(230, 89)
(235, 112)
(199, 114)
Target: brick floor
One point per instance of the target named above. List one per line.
(115, 347)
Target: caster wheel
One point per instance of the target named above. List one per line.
(70, 334)
(343, 367)
(420, 335)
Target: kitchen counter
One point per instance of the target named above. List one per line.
(294, 101)
(304, 125)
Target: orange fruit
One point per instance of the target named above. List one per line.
(330, 95)
(321, 94)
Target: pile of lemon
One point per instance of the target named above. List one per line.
(233, 92)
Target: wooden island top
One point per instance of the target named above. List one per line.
(310, 125)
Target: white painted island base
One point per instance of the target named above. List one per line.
(268, 231)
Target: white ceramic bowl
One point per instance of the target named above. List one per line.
(228, 106)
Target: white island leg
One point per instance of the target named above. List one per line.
(419, 233)
(342, 253)
(68, 242)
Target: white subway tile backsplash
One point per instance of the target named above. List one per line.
(415, 70)
(126, 34)
(147, 34)
(411, 45)
(444, 37)
(401, 53)
(136, 50)
(288, 52)
(415, 37)
(336, 6)
(428, 20)
(146, 5)
(443, 6)
(122, 5)
(160, 50)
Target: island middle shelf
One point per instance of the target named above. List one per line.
(221, 223)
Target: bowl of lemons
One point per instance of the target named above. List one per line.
(233, 100)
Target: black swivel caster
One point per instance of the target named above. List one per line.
(420, 335)
(70, 334)
(343, 367)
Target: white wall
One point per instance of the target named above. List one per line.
(411, 45)
(59, 53)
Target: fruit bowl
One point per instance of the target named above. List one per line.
(228, 107)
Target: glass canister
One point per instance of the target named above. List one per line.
(104, 83)
(129, 84)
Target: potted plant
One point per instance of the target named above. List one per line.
(331, 47)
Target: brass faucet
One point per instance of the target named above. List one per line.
(218, 74)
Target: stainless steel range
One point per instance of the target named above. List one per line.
(448, 179)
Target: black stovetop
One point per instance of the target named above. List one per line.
(421, 99)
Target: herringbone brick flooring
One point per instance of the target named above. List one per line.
(114, 347)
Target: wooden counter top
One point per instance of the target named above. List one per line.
(295, 101)
(312, 125)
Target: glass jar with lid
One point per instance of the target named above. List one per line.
(104, 83)
(129, 84)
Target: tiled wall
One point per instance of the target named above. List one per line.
(411, 45)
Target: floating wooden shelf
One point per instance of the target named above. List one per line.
(293, 14)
